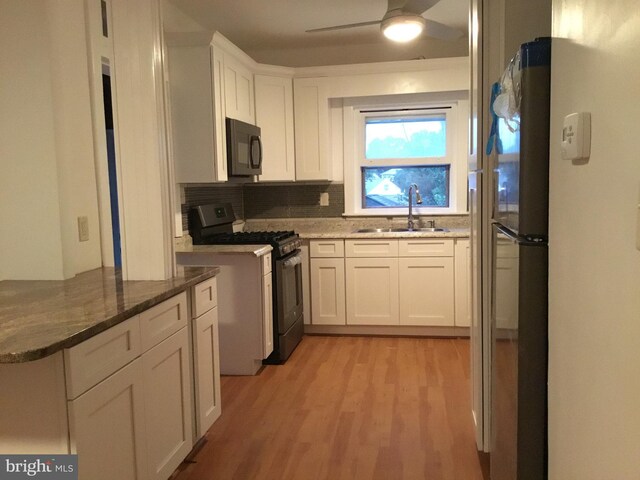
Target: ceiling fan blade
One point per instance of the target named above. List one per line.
(441, 31)
(342, 27)
(416, 6)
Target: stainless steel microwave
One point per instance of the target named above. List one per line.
(244, 148)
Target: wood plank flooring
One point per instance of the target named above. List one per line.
(347, 408)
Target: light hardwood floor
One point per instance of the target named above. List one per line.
(347, 408)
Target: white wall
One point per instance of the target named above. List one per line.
(42, 100)
(74, 135)
(594, 299)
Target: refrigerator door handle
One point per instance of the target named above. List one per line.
(496, 194)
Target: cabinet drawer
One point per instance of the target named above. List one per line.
(371, 248)
(163, 320)
(326, 248)
(205, 296)
(426, 247)
(266, 263)
(95, 359)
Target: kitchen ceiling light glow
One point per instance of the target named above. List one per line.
(403, 28)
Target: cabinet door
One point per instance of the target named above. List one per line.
(238, 90)
(426, 291)
(267, 315)
(107, 426)
(168, 412)
(196, 88)
(311, 107)
(327, 291)
(219, 114)
(207, 371)
(372, 291)
(463, 283)
(274, 116)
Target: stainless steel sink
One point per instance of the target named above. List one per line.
(418, 230)
(400, 230)
(374, 230)
(432, 229)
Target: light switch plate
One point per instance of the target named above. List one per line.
(83, 229)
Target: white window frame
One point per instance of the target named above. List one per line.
(355, 114)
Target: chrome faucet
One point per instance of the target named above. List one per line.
(410, 222)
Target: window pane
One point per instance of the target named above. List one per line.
(387, 187)
(406, 137)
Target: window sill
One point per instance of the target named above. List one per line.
(401, 214)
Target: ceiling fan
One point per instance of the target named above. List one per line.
(404, 22)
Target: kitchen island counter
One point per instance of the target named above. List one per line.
(41, 317)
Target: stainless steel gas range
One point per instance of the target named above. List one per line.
(212, 224)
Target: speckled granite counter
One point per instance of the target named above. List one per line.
(345, 227)
(39, 318)
(453, 233)
(257, 250)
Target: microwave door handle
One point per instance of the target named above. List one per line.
(256, 138)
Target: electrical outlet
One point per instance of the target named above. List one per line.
(83, 229)
(324, 199)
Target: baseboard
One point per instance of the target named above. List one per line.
(391, 331)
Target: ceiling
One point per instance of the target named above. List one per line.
(273, 31)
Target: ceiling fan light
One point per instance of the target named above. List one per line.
(403, 28)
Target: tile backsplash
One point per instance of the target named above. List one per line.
(299, 201)
(268, 201)
(292, 201)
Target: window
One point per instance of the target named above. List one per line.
(396, 147)
(384, 187)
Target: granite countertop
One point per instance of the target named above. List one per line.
(257, 250)
(451, 233)
(41, 317)
(345, 227)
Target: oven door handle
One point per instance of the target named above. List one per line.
(292, 261)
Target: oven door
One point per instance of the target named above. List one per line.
(288, 291)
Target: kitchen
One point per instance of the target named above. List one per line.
(593, 362)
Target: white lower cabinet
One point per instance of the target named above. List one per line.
(463, 282)
(207, 371)
(328, 291)
(136, 422)
(168, 413)
(206, 356)
(372, 291)
(426, 291)
(267, 314)
(107, 427)
(416, 282)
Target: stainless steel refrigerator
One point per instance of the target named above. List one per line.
(519, 269)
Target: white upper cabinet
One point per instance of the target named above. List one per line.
(313, 141)
(238, 90)
(196, 84)
(274, 116)
(209, 79)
